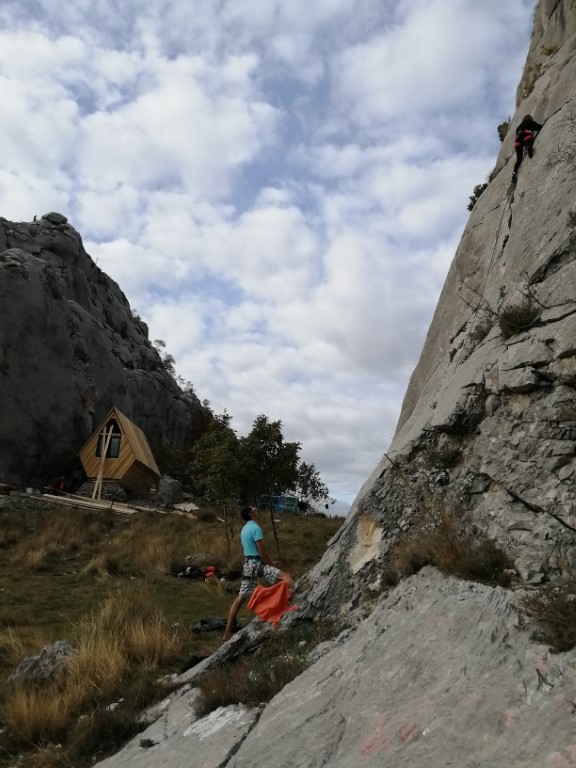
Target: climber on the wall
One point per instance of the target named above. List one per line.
(525, 135)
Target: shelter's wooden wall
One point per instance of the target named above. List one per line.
(114, 469)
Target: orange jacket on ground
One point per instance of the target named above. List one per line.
(271, 603)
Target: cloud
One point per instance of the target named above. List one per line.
(432, 58)
(277, 187)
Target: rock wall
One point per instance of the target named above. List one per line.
(501, 407)
(70, 349)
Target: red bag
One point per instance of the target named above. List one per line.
(271, 603)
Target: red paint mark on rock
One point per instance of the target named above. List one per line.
(408, 731)
(557, 760)
(506, 719)
(379, 737)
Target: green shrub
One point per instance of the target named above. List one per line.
(484, 562)
(442, 456)
(518, 317)
(476, 193)
(552, 609)
(549, 50)
(480, 330)
(503, 129)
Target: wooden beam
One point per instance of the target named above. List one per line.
(98, 483)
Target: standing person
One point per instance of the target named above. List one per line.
(524, 141)
(256, 564)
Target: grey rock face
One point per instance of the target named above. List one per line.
(438, 675)
(505, 403)
(70, 349)
(178, 740)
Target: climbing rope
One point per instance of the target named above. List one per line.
(509, 197)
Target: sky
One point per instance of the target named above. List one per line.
(278, 186)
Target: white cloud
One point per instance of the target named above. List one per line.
(278, 187)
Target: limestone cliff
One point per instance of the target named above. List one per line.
(502, 405)
(70, 349)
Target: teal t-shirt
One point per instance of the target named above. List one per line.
(249, 535)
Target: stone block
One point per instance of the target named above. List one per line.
(519, 380)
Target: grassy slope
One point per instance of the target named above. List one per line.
(58, 565)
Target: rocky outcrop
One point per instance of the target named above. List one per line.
(71, 349)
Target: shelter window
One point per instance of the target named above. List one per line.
(113, 445)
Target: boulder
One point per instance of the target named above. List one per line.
(52, 660)
(168, 493)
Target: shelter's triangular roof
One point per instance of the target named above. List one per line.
(136, 438)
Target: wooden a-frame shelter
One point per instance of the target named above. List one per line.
(118, 450)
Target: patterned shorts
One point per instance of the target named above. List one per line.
(252, 570)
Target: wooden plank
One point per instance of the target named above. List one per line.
(71, 500)
(93, 504)
(118, 504)
(98, 483)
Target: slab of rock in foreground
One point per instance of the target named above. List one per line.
(178, 740)
(439, 675)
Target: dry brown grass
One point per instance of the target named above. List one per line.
(10, 534)
(125, 638)
(153, 544)
(551, 610)
(96, 671)
(36, 714)
(49, 756)
(518, 317)
(65, 533)
(125, 643)
(17, 642)
(443, 539)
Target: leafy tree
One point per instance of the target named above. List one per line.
(270, 464)
(217, 455)
(310, 488)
